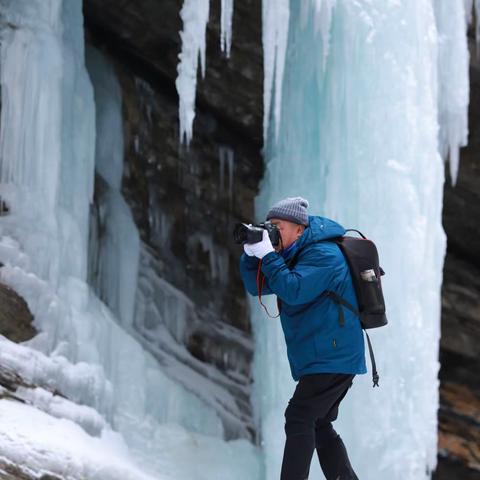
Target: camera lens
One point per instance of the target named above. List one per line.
(240, 233)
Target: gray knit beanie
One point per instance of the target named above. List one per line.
(293, 209)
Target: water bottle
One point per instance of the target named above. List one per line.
(372, 293)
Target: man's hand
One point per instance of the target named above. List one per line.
(259, 249)
(247, 249)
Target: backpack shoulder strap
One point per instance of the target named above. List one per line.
(339, 301)
(292, 262)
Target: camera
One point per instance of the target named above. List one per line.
(244, 233)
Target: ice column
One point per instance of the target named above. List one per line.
(47, 135)
(453, 82)
(114, 240)
(358, 138)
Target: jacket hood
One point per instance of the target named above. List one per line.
(320, 228)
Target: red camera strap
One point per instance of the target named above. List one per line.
(260, 288)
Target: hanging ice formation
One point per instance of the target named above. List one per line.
(453, 83)
(194, 14)
(226, 26)
(118, 412)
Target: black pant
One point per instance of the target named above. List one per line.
(308, 417)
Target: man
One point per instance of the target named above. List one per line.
(324, 356)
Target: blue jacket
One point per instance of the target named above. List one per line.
(315, 341)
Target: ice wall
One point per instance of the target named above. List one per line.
(143, 422)
(46, 170)
(358, 138)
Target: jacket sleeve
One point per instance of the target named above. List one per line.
(314, 273)
(248, 272)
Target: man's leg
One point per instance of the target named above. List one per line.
(331, 450)
(332, 454)
(300, 441)
(314, 397)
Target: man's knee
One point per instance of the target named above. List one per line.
(297, 421)
(324, 435)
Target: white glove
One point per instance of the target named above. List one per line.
(247, 249)
(260, 249)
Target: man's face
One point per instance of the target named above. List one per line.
(289, 231)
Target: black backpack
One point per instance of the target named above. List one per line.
(362, 259)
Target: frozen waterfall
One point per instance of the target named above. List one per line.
(358, 138)
(362, 100)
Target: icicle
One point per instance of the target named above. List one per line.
(221, 159)
(194, 14)
(322, 17)
(226, 25)
(477, 16)
(275, 18)
(231, 165)
(453, 81)
(225, 154)
(470, 7)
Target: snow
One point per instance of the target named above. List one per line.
(45, 445)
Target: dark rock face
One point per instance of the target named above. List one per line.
(459, 413)
(459, 418)
(148, 31)
(15, 316)
(185, 201)
(461, 307)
